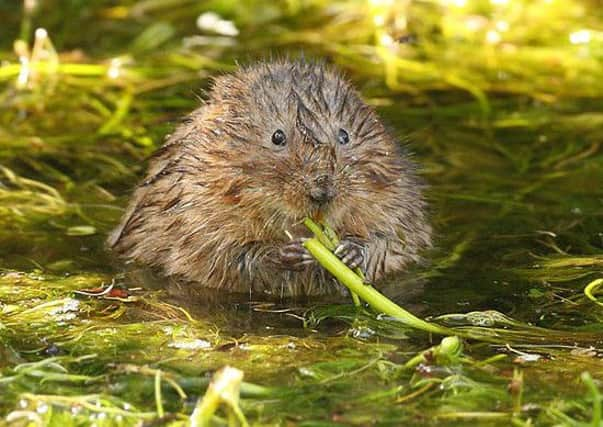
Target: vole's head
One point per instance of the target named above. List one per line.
(304, 143)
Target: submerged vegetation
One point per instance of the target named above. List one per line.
(500, 99)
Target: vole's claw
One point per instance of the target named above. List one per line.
(351, 253)
(294, 256)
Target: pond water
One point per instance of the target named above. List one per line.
(508, 133)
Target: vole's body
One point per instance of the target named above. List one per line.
(275, 143)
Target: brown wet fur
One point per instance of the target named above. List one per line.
(219, 196)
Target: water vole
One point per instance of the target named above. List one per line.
(275, 142)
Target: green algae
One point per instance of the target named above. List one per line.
(509, 138)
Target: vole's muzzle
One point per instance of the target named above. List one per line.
(322, 189)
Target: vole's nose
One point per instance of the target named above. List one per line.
(322, 190)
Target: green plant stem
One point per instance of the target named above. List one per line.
(450, 347)
(205, 410)
(330, 243)
(12, 70)
(223, 389)
(592, 288)
(596, 396)
(319, 233)
(518, 391)
(158, 398)
(369, 294)
(355, 299)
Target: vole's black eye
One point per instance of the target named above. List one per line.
(343, 137)
(279, 138)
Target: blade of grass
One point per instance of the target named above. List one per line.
(369, 294)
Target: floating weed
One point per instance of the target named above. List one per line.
(224, 389)
(576, 413)
(24, 198)
(75, 410)
(592, 288)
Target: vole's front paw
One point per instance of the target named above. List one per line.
(294, 256)
(351, 253)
